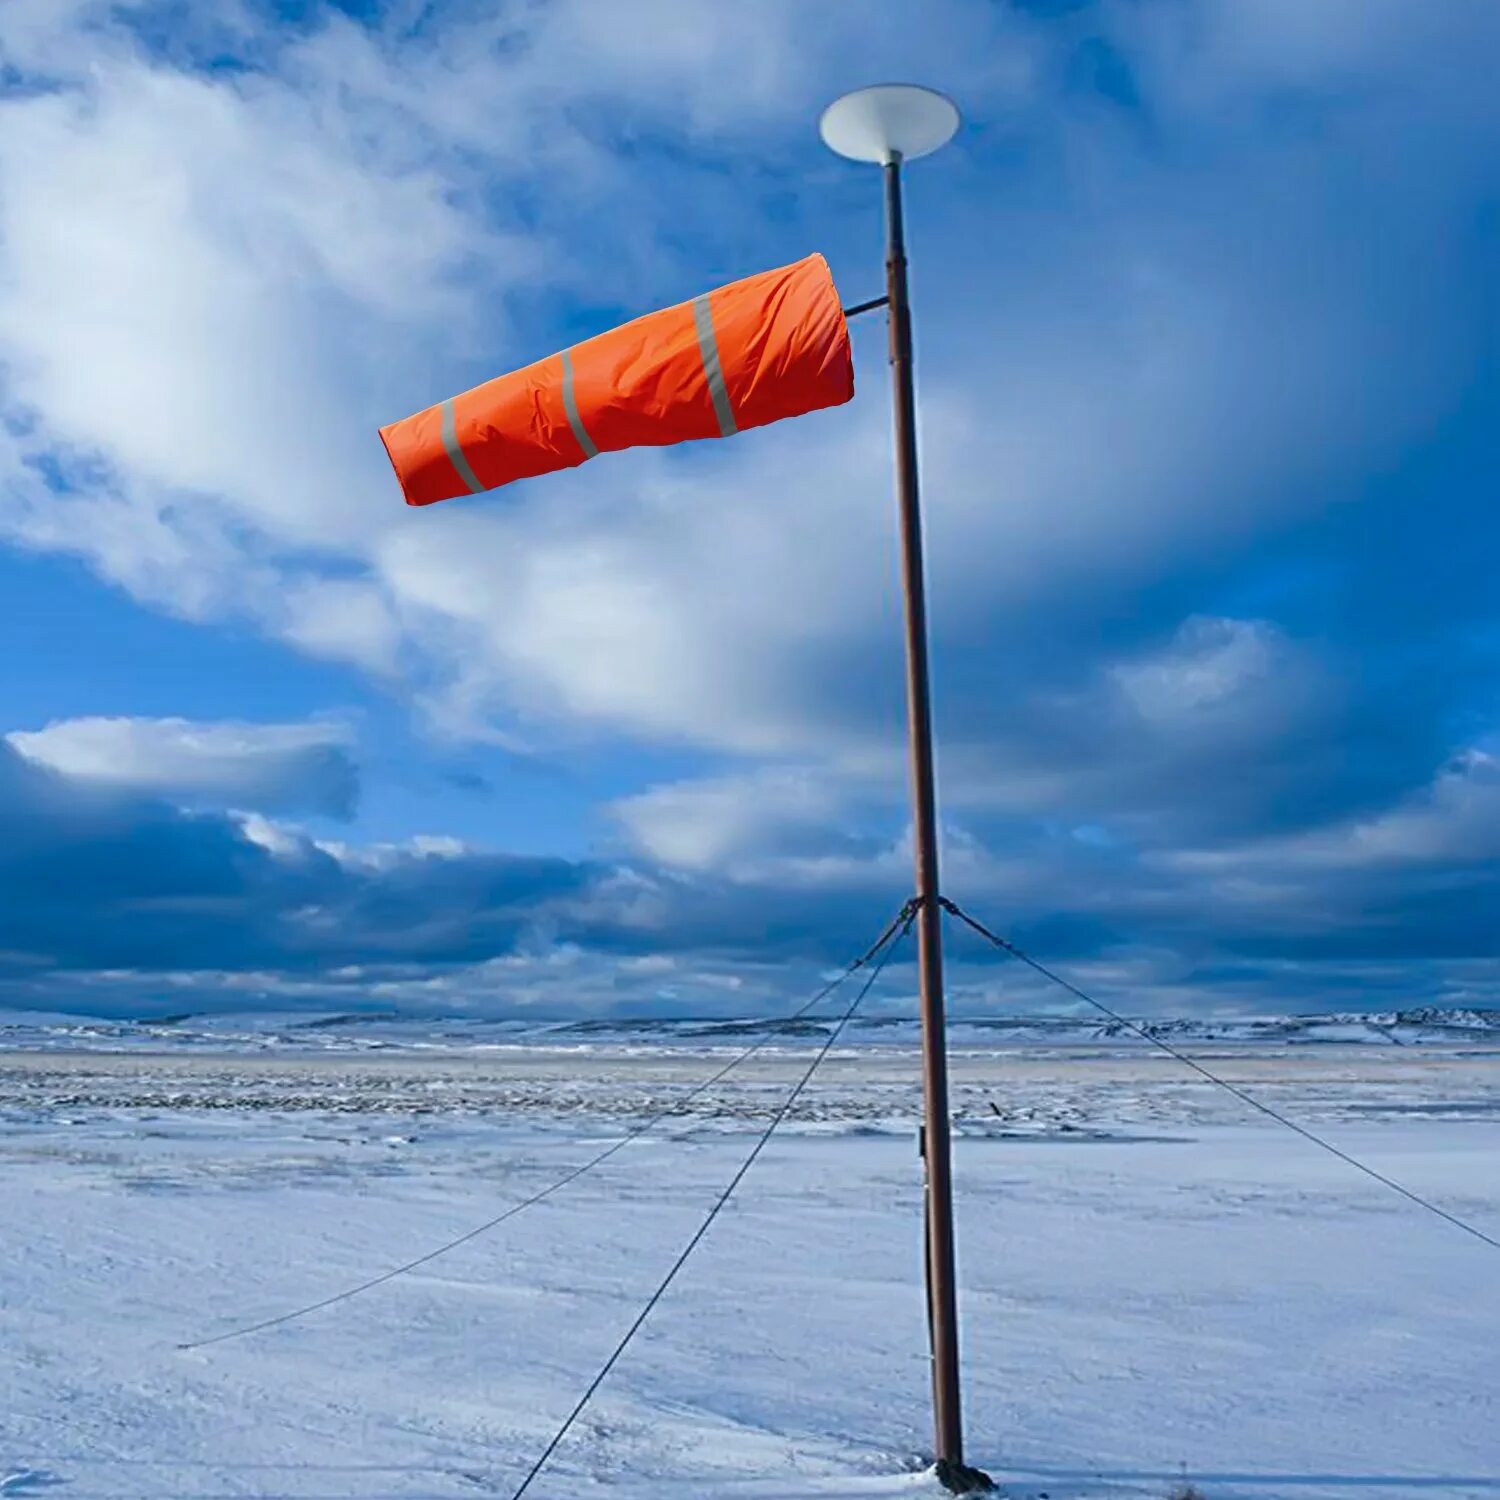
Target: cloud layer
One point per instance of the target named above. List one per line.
(268, 767)
(1206, 319)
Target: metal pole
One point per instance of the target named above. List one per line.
(937, 1150)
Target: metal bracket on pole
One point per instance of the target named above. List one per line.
(864, 307)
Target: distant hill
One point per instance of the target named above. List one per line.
(1422, 1026)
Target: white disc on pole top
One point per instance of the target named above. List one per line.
(888, 121)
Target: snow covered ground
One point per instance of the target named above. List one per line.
(1151, 1279)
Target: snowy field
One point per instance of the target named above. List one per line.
(1150, 1278)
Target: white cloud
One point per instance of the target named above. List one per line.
(351, 620)
(1154, 742)
(265, 767)
(665, 604)
(1214, 668)
(268, 834)
(723, 821)
(1453, 822)
(386, 857)
(181, 324)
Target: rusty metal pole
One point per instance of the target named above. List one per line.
(937, 1146)
(887, 124)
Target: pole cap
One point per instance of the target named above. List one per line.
(889, 121)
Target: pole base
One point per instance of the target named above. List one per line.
(960, 1479)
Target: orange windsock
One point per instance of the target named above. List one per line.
(771, 346)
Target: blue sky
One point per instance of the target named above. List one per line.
(1206, 319)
